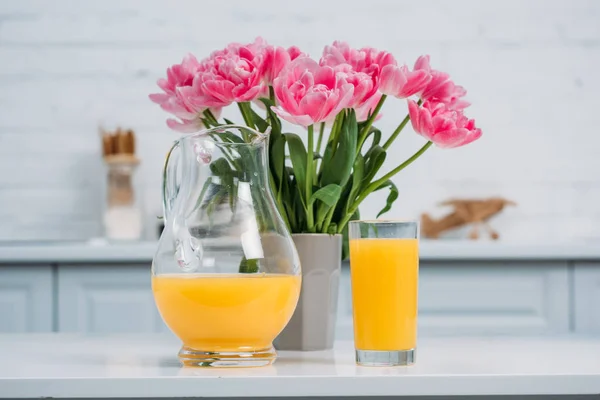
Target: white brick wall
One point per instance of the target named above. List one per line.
(531, 68)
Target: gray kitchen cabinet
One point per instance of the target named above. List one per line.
(106, 299)
(587, 297)
(483, 298)
(26, 298)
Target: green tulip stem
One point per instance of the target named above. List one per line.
(245, 111)
(320, 139)
(309, 183)
(395, 134)
(365, 131)
(210, 118)
(272, 95)
(376, 184)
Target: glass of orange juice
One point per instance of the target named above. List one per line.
(384, 268)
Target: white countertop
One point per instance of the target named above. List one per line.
(143, 252)
(67, 366)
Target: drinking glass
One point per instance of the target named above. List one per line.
(384, 268)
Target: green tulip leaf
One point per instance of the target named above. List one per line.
(329, 195)
(298, 157)
(375, 158)
(392, 196)
(339, 161)
(259, 122)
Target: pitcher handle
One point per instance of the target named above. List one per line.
(170, 185)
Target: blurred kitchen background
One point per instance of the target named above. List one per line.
(68, 68)
(530, 68)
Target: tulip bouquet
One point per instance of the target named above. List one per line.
(319, 183)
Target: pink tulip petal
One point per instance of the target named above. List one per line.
(159, 98)
(317, 105)
(306, 79)
(186, 126)
(165, 85)
(303, 63)
(416, 81)
(332, 55)
(414, 112)
(325, 76)
(363, 91)
(423, 63)
(242, 93)
(294, 52)
(302, 120)
(390, 80)
(426, 124)
(220, 89)
(471, 137)
(459, 91)
(347, 92)
(363, 112)
(443, 122)
(450, 138)
(286, 97)
(384, 58)
(439, 88)
(175, 107)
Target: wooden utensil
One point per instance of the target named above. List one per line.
(118, 151)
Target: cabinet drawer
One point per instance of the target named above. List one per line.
(482, 298)
(26, 298)
(587, 297)
(493, 298)
(106, 299)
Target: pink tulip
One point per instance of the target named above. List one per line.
(276, 58)
(445, 127)
(178, 76)
(233, 74)
(401, 83)
(441, 88)
(365, 62)
(308, 93)
(367, 59)
(178, 87)
(375, 58)
(339, 53)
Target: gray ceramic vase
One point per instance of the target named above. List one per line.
(312, 326)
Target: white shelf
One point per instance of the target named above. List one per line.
(70, 366)
(448, 250)
(78, 252)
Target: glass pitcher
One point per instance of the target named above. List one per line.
(226, 276)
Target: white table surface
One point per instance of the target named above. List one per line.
(430, 250)
(63, 366)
